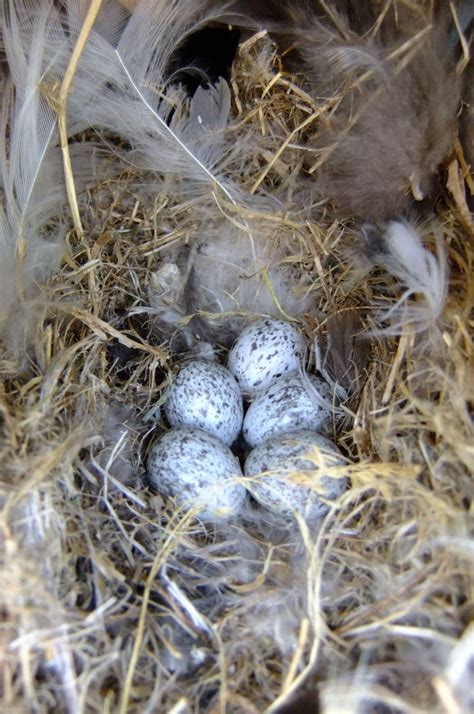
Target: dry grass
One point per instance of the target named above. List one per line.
(114, 601)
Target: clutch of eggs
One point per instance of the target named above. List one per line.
(193, 462)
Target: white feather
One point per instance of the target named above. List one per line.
(121, 86)
(28, 130)
(422, 274)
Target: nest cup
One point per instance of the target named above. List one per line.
(116, 599)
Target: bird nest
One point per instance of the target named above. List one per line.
(113, 599)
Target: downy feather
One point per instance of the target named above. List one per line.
(225, 282)
(422, 275)
(348, 59)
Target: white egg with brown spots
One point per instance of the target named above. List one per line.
(206, 396)
(198, 471)
(291, 403)
(289, 473)
(265, 350)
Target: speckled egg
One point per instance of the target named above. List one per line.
(265, 350)
(198, 471)
(205, 395)
(281, 460)
(290, 403)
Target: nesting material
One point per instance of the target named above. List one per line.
(113, 598)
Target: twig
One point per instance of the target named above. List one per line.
(91, 16)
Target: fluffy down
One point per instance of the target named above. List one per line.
(226, 277)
